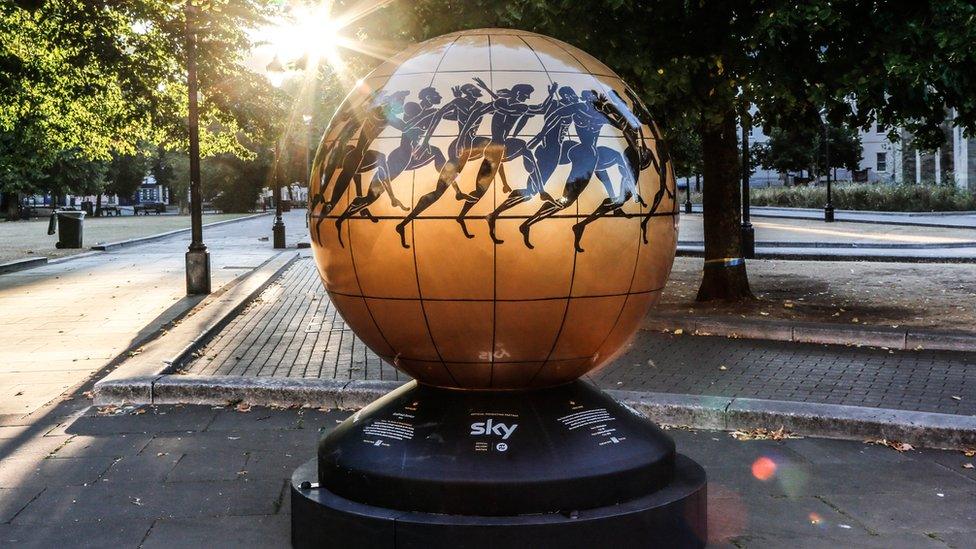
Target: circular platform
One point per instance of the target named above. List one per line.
(673, 517)
(567, 466)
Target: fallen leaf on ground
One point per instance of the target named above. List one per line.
(722, 367)
(90, 395)
(893, 444)
(679, 331)
(969, 453)
(761, 433)
(106, 410)
(968, 466)
(138, 411)
(243, 407)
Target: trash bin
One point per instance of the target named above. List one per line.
(70, 228)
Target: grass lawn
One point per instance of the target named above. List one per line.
(24, 239)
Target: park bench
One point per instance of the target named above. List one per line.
(148, 208)
(111, 209)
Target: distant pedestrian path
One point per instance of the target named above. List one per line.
(789, 233)
(957, 220)
(26, 239)
(293, 330)
(62, 322)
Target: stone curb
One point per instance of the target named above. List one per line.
(857, 254)
(813, 214)
(871, 246)
(104, 247)
(699, 412)
(905, 339)
(22, 264)
(157, 357)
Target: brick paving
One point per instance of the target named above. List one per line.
(201, 476)
(293, 330)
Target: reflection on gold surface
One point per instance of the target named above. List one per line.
(494, 210)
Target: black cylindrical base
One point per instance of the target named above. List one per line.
(673, 517)
(562, 467)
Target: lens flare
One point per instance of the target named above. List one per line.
(764, 468)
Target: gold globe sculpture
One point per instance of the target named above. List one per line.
(493, 209)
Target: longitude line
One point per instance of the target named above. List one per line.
(494, 250)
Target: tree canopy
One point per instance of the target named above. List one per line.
(98, 77)
(802, 148)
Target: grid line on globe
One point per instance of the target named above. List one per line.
(534, 285)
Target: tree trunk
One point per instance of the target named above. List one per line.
(724, 275)
(11, 202)
(98, 205)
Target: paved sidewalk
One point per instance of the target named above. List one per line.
(199, 476)
(293, 331)
(62, 322)
(29, 239)
(962, 220)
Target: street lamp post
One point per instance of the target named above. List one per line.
(275, 71)
(687, 195)
(829, 207)
(278, 229)
(747, 231)
(308, 159)
(197, 256)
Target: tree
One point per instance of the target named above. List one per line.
(173, 167)
(99, 77)
(71, 172)
(238, 183)
(126, 172)
(802, 148)
(686, 152)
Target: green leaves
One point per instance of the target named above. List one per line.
(98, 77)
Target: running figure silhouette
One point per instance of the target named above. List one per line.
(637, 158)
(358, 158)
(553, 150)
(468, 110)
(410, 154)
(509, 116)
(583, 157)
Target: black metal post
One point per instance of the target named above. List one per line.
(308, 162)
(687, 195)
(829, 207)
(197, 256)
(747, 231)
(278, 229)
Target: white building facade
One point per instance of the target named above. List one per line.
(895, 162)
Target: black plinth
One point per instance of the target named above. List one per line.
(561, 467)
